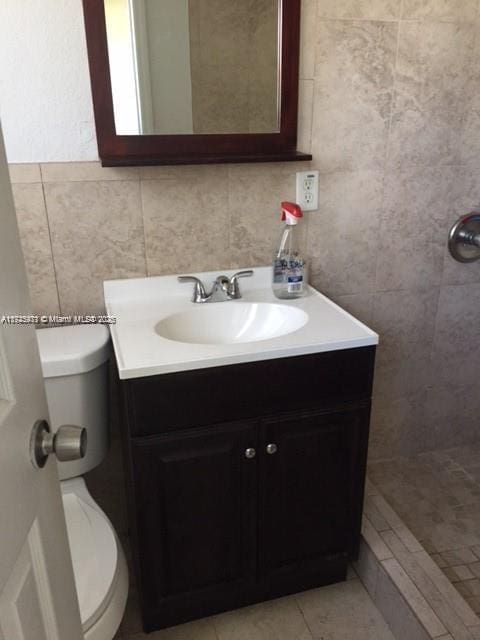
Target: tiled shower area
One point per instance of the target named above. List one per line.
(437, 495)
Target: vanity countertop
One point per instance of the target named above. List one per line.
(139, 305)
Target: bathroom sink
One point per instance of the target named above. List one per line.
(159, 329)
(231, 323)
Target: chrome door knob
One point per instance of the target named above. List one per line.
(271, 449)
(250, 453)
(68, 443)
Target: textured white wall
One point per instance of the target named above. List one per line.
(45, 98)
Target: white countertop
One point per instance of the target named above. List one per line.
(139, 304)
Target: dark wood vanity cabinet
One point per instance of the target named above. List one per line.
(227, 509)
(196, 519)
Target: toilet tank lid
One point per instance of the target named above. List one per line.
(72, 349)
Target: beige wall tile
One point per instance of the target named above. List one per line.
(406, 322)
(470, 147)
(342, 235)
(398, 425)
(449, 10)
(431, 82)
(305, 115)
(470, 141)
(234, 65)
(457, 333)
(405, 262)
(97, 234)
(368, 9)
(413, 193)
(307, 38)
(184, 172)
(186, 225)
(85, 172)
(451, 409)
(285, 169)
(465, 198)
(24, 173)
(353, 93)
(459, 272)
(37, 251)
(358, 304)
(255, 214)
(411, 250)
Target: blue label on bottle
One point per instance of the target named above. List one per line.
(289, 271)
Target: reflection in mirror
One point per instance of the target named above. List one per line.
(194, 66)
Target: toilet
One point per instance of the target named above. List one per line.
(75, 370)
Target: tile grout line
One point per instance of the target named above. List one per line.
(312, 636)
(387, 156)
(140, 195)
(54, 266)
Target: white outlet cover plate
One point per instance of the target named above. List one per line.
(307, 190)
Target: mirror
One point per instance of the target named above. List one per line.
(194, 81)
(193, 66)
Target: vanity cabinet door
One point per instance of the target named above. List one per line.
(195, 496)
(311, 481)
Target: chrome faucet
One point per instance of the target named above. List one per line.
(223, 288)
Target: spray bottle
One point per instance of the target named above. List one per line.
(289, 265)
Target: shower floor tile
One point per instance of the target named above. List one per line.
(437, 495)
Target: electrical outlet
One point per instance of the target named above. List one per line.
(307, 190)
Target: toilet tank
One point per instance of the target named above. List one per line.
(75, 371)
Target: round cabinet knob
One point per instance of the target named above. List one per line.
(271, 449)
(68, 443)
(250, 453)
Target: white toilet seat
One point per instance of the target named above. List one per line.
(101, 575)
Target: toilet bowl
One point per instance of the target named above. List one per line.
(75, 370)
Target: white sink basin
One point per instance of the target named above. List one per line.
(231, 323)
(160, 330)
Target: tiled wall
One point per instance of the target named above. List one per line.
(236, 91)
(390, 107)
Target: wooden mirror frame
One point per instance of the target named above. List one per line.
(134, 150)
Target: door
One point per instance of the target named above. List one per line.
(37, 591)
(195, 494)
(308, 465)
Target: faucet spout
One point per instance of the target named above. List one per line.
(223, 289)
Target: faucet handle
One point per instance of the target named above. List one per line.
(199, 293)
(234, 288)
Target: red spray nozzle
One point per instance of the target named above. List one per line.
(291, 212)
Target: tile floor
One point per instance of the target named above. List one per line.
(437, 495)
(342, 611)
